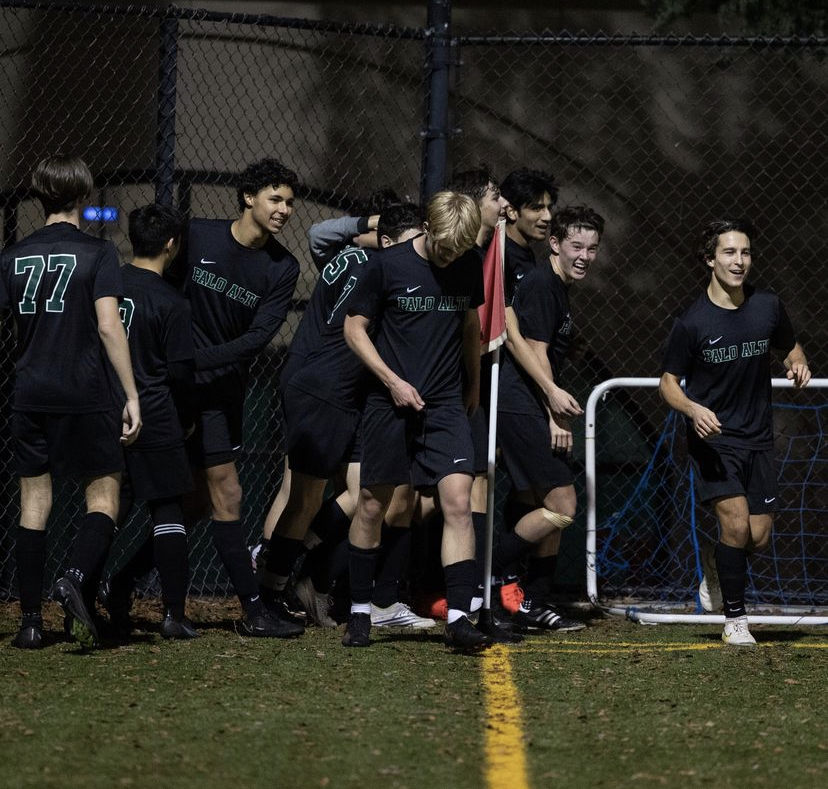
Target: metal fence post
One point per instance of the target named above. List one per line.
(438, 64)
(165, 137)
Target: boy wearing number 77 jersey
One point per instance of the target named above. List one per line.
(68, 419)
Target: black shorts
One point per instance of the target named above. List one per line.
(320, 435)
(722, 471)
(80, 446)
(479, 422)
(402, 446)
(218, 434)
(527, 453)
(158, 473)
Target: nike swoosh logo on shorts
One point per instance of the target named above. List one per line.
(459, 460)
(768, 501)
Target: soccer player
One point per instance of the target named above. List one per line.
(534, 436)
(423, 297)
(530, 196)
(322, 401)
(68, 417)
(157, 321)
(721, 345)
(239, 280)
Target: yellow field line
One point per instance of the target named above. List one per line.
(505, 754)
(604, 648)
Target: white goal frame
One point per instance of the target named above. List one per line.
(635, 613)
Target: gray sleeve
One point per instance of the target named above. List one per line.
(327, 239)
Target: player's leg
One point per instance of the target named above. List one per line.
(731, 556)
(363, 553)
(387, 609)
(30, 556)
(170, 554)
(89, 552)
(273, 515)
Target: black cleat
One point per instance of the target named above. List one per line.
(78, 621)
(357, 631)
(501, 630)
(117, 605)
(268, 625)
(284, 605)
(30, 635)
(463, 636)
(173, 628)
(544, 617)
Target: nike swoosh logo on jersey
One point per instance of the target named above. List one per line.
(207, 262)
(713, 342)
(411, 290)
(459, 460)
(519, 276)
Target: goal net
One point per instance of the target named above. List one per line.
(645, 529)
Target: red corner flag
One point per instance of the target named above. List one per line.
(493, 311)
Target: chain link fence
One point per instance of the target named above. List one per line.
(659, 135)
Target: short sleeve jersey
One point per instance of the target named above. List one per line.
(157, 320)
(239, 296)
(724, 355)
(419, 310)
(329, 369)
(542, 309)
(51, 281)
(518, 262)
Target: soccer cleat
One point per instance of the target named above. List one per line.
(117, 604)
(267, 625)
(173, 628)
(511, 596)
(357, 631)
(284, 605)
(399, 615)
(316, 604)
(736, 632)
(544, 617)
(433, 605)
(462, 635)
(710, 593)
(30, 635)
(78, 622)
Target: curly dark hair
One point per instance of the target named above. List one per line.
(260, 175)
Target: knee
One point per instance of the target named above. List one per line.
(226, 497)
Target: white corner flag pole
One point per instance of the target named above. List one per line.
(490, 476)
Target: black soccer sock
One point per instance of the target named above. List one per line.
(509, 550)
(479, 524)
(513, 511)
(170, 553)
(91, 549)
(362, 565)
(331, 522)
(317, 565)
(30, 556)
(459, 585)
(731, 565)
(395, 556)
(540, 577)
(281, 559)
(232, 550)
(122, 583)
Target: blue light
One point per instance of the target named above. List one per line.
(96, 213)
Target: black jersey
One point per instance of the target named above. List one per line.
(724, 355)
(518, 262)
(157, 320)
(419, 310)
(328, 368)
(51, 281)
(239, 296)
(542, 308)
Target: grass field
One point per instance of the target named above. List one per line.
(617, 705)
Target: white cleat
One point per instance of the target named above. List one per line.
(399, 615)
(736, 633)
(710, 593)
